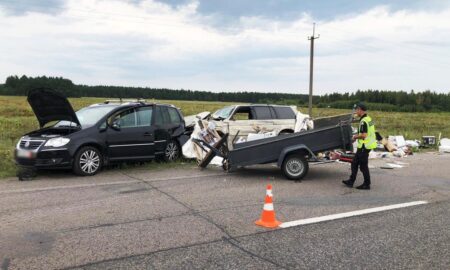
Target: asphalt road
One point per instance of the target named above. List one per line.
(184, 218)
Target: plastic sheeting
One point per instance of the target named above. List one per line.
(303, 122)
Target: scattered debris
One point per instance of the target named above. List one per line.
(398, 141)
(429, 140)
(205, 131)
(444, 146)
(394, 165)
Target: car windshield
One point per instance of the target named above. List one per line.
(223, 113)
(88, 116)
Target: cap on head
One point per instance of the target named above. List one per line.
(361, 106)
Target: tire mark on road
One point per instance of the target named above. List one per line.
(136, 180)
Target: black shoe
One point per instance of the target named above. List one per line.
(363, 186)
(348, 183)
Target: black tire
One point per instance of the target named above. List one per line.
(286, 132)
(172, 151)
(295, 167)
(88, 161)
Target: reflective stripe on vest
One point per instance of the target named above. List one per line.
(371, 141)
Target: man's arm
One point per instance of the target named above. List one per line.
(360, 136)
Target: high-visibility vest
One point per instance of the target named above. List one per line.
(370, 142)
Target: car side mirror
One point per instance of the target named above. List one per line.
(115, 125)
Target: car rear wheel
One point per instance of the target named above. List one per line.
(295, 167)
(172, 151)
(88, 161)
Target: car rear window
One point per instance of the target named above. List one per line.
(162, 115)
(262, 112)
(284, 112)
(174, 116)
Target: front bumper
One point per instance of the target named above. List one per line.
(46, 159)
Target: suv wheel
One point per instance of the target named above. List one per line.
(295, 167)
(88, 161)
(172, 151)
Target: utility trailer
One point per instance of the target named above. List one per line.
(291, 152)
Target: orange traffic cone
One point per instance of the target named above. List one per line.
(268, 214)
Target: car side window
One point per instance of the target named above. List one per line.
(243, 113)
(126, 119)
(262, 112)
(144, 116)
(284, 113)
(165, 114)
(158, 116)
(162, 116)
(174, 116)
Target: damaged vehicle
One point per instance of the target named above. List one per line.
(99, 134)
(242, 120)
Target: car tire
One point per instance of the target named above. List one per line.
(88, 161)
(295, 167)
(285, 132)
(172, 151)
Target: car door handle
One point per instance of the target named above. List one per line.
(148, 134)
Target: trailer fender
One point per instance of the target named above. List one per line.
(286, 151)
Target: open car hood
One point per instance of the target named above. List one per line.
(49, 106)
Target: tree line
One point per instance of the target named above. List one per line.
(376, 99)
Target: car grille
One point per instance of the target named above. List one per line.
(30, 144)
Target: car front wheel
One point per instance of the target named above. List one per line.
(88, 161)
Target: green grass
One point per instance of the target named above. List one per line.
(17, 118)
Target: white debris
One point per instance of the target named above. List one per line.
(398, 141)
(411, 143)
(373, 155)
(444, 146)
(259, 136)
(303, 122)
(393, 165)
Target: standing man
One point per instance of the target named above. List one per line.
(366, 142)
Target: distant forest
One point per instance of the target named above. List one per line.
(377, 100)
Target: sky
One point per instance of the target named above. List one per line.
(230, 45)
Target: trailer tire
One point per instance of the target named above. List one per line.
(295, 167)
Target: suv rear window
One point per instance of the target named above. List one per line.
(262, 112)
(162, 116)
(284, 112)
(174, 116)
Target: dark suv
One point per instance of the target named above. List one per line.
(99, 134)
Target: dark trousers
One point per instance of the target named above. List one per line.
(361, 159)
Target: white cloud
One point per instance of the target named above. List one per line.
(153, 44)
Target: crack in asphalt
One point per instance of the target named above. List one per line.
(229, 238)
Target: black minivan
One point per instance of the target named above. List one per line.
(99, 134)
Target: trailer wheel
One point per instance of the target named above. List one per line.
(295, 167)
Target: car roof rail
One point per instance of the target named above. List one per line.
(121, 101)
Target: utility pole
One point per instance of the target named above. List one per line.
(311, 65)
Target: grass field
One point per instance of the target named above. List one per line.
(17, 118)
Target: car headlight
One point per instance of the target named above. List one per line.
(57, 142)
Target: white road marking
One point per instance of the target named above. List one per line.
(349, 214)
